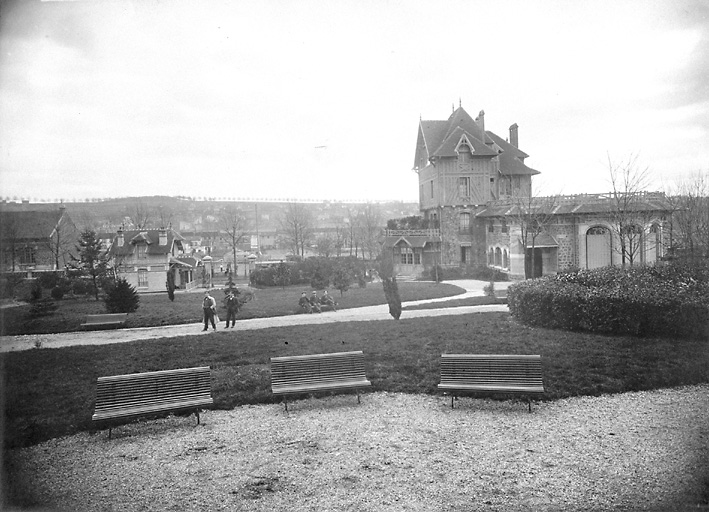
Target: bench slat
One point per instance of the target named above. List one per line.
(139, 394)
(317, 372)
(492, 373)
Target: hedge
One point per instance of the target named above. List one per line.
(671, 300)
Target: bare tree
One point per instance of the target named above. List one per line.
(353, 231)
(10, 238)
(339, 239)
(234, 229)
(325, 244)
(296, 223)
(628, 210)
(140, 215)
(690, 199)
(165, 216)
(370, 229)
(533, 215)
(61, 241)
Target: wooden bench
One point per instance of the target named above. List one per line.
(508, 374)
(318, 372)
(105, 320)
(121, 398)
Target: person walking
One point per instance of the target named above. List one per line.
(209, 307)
(232, 308)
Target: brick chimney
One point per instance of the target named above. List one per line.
(120, 240)
(162, 236)
(513, 135)
(481, 120)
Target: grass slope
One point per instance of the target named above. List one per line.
(156, 309)
(50, 392)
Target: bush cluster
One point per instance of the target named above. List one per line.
(316, 272)
(670, 300)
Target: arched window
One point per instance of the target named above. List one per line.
(498, 257)
(491, 256)
(505, 259)
(464, 222)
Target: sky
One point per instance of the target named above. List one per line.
(321, 99)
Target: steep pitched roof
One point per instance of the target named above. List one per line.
(511, 158)
(440, 138)
(150, 237)
(29, 225)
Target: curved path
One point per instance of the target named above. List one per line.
(363, 314)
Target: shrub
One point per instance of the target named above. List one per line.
(11, 284)
(319, 281)
(641, 301)
(82, 286)
(57, 293)
(35, 291)
(121, 297)
(49, 280)
(342, 280)
(42, 308)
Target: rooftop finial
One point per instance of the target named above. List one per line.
(460, 102)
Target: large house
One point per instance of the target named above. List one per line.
(475, 194)
(144, 258)
(36, 240)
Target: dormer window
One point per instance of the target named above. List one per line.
(464, 154)
(142, 250)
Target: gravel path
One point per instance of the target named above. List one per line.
(635, 451)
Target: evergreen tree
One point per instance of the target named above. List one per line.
(122, 297)
(170, 284)
(92, 260)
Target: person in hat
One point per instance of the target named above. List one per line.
(209, 308)
(232, 308)
(305, 303)
(314, 302)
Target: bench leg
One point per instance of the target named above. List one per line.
(452, 397)
(529, 402)
(109, 432)
(285, 401)
(197, 414)
(358, 397)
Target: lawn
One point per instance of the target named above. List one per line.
(156, 309)
(50, 392)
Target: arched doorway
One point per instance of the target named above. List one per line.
(598, 247)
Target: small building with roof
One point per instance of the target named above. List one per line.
(36, 240)
(144, 258)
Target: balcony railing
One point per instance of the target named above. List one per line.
(413, 232)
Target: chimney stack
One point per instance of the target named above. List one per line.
(120, 240)
(481, 123)
(513, 135)
(162, 237)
